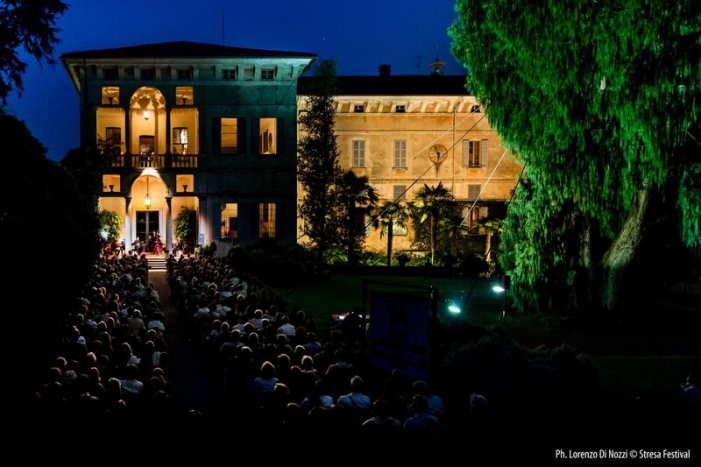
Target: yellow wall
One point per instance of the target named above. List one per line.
(428, 121)
(117, 205)
(109, 117)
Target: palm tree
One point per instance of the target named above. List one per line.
(430, 203)
(359, 200)
(391, 214)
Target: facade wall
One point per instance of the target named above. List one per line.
(426, 121)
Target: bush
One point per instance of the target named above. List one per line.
(270, 262)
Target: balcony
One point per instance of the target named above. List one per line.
(151, 161)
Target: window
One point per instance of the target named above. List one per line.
(475, 153)
(230, 221)
(184, 95)
(113, 141)
(359, 108)
(110, 95)
(400, 153)
(475, 109)
(179, 140)
(249, 73)
(358, 153)
(473, 218)
(184, 74)
(473, 191)
(398, 192)
(266, 220)
(229, 74)
(400, 109)
(229, 136)
(148, 74)
(267, 75)
(268, 136)
(110, 73)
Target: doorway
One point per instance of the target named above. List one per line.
(147, 230)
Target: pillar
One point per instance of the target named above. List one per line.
(128, 234)
(169, 224)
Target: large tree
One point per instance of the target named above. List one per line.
(358, 199)
(598, 99)
(27, 25)
(434, 203)
(318, 168)
(390, 215)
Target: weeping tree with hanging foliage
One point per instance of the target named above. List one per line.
(600, 100)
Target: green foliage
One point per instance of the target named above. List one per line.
(43, 217)
(596, 98)
(358, 198)
(26, 25)
(271, 263)
(206, 251)
(185, 224)
(437, 205)
(318, 169)
(111, 223)
(388, 216)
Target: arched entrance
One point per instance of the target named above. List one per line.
(149, 214)
(148, 122)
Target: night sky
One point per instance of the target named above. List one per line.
(359, 34)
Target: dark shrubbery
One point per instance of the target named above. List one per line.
(272, 263)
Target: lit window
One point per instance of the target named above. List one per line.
(230, 221)
(359, 108)
(475, 153)
(180, 140)
(267, 75)
(266, 220)
(184, 95)
(110, 95)
(400, 109)
(268, 136)
(229, 74)
(113, 141)
(473, 191)
(400, 153)
(358, 153)
(398, 192)
(229, 136)
(148, 74)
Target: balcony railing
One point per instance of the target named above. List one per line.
(151, 161)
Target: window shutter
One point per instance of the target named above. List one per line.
(216, 136)
(465, 153)
(241, 136)
(485, 153)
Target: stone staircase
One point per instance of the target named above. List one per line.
(156, 263)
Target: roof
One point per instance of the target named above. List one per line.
(400, 85)
(183, 49)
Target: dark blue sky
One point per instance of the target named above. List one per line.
(359, 34)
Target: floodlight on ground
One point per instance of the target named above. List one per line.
(453, 308)
(498, 289)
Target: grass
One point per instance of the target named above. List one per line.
(647, 355)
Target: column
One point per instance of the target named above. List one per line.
(203, 221)
(169, 224)
(127, 130)
(128, 237)
(168, 131)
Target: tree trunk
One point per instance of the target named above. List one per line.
(488, 248)
(434, 227)
(390, 234)
(622, 251)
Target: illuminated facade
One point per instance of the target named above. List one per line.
(398, 130)
(184, 124)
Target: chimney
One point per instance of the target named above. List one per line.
(385, 71)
